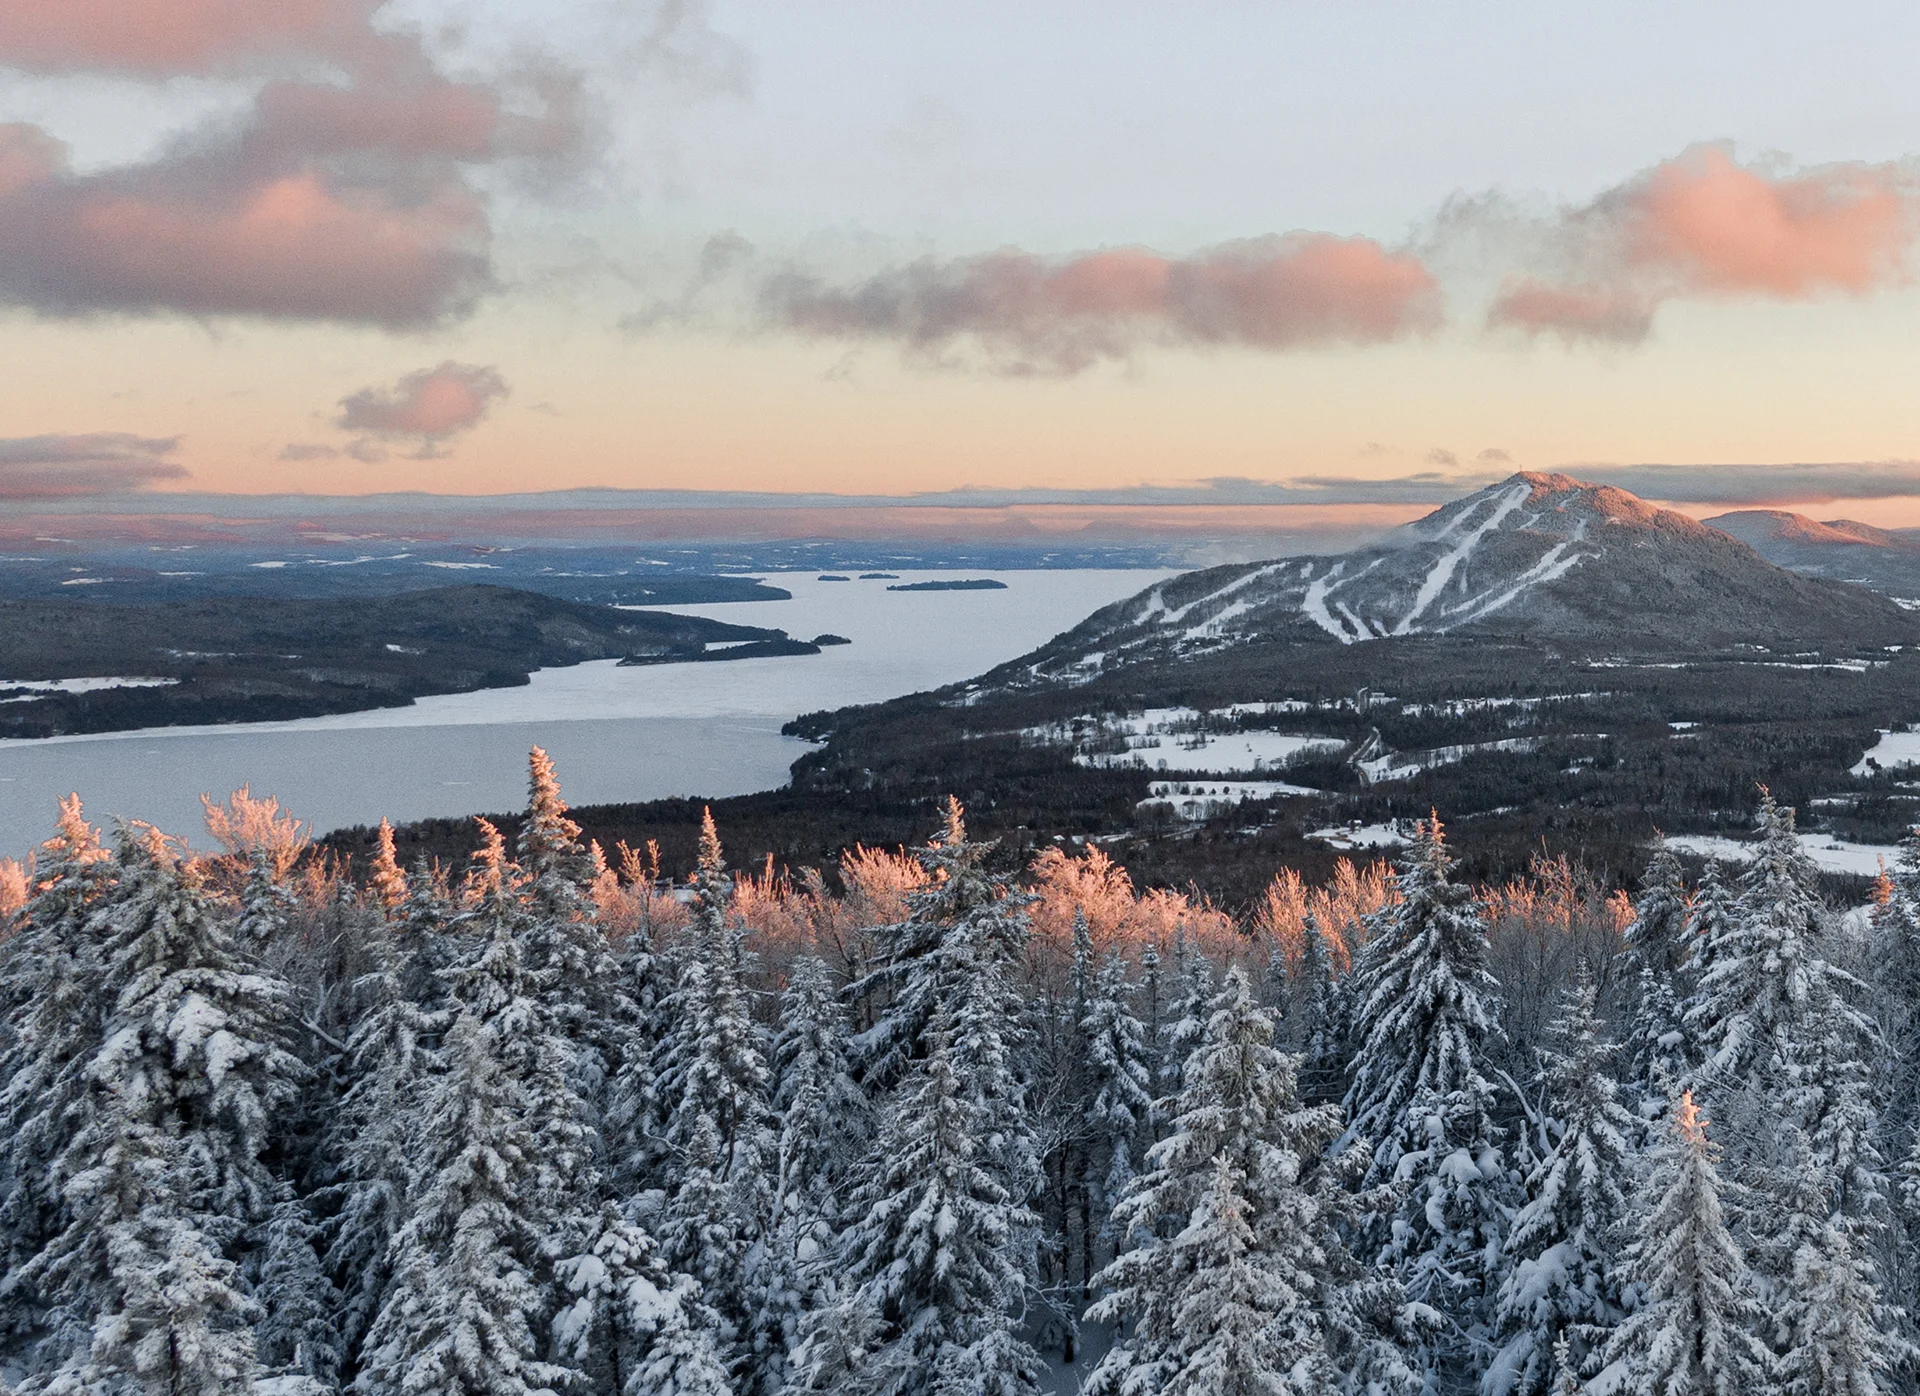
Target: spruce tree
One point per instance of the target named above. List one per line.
(1120, 1061)
(1658, 938)
(463, 1314)
(388, 1071)
(1426, 1011)
(1759, 962)
(1227, 1286)
(630, 1326)
(164, 1171)
(824, 1121)
(1692, 1333)
(1564, 1290)
(930, 1263)
(53, 1004)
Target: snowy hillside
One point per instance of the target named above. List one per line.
(1542, 556)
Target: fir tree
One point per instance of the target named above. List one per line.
(631, 1327)
(1834, 1333)
(1564, 1291)
(462, 1314)
(1229, 1283)
(1764, 966)
(54, 998)
(1426, 1011)
(1692, 1332)
(297, 1334)
(388, 1067)
(1658, 938)
(929, 1262)
(956, 954)
(712, 1068)
(823, 1126)
(164, 1170)
(1120, 1061)
(267, 905)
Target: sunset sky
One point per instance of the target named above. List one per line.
(841, 246)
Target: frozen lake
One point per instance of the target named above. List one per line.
(617, 734)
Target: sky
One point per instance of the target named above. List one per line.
(1286, 252)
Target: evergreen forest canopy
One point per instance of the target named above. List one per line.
(948, 1128)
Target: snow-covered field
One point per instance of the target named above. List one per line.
(1402, 765)
(22, 690)
(617, 734)
(1202, 799)
(1230, 753)
(1351, 838)
(1894, 749)
(1830, 854)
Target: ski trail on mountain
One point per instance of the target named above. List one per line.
(1447, 563)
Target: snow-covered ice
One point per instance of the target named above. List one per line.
(618, 734)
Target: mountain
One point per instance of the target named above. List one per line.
(1546, 654)
(1545, 557)
(1840, 549)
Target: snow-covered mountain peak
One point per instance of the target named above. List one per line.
(1544, 556)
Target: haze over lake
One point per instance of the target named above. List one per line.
(618, 734)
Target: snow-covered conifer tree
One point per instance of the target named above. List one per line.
(1564, 1288)
(630, 1326)
(824, 1125)
(930, 1264)
(267, 905)
(1227, 1286)
(53, 1002)
(1658, 937)
(388, 1070)
(1764, 966)
(1120, 1060)
(464, 1310)
(1692, 1333)
(1834, 1333)
(1425, 1011)
(164, 1170)
(298, 1333)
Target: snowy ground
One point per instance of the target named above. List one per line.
(1830, 854)
(617, 734)
(1202, 799)
(1401, 765)
(1230, 753)
(1894, 749)
(1350, 838)
(23, 690)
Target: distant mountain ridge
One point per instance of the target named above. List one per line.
(1887, 560)
(1539, 556)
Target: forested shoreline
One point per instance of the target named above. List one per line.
(552, 1122)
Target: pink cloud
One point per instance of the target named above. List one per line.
(430, 405)
(1726, 229)
(1030, 314)
(159, 38)
(1702, 225)
(1572, 312)
(350, 198)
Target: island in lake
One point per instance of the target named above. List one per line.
(970, 584)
